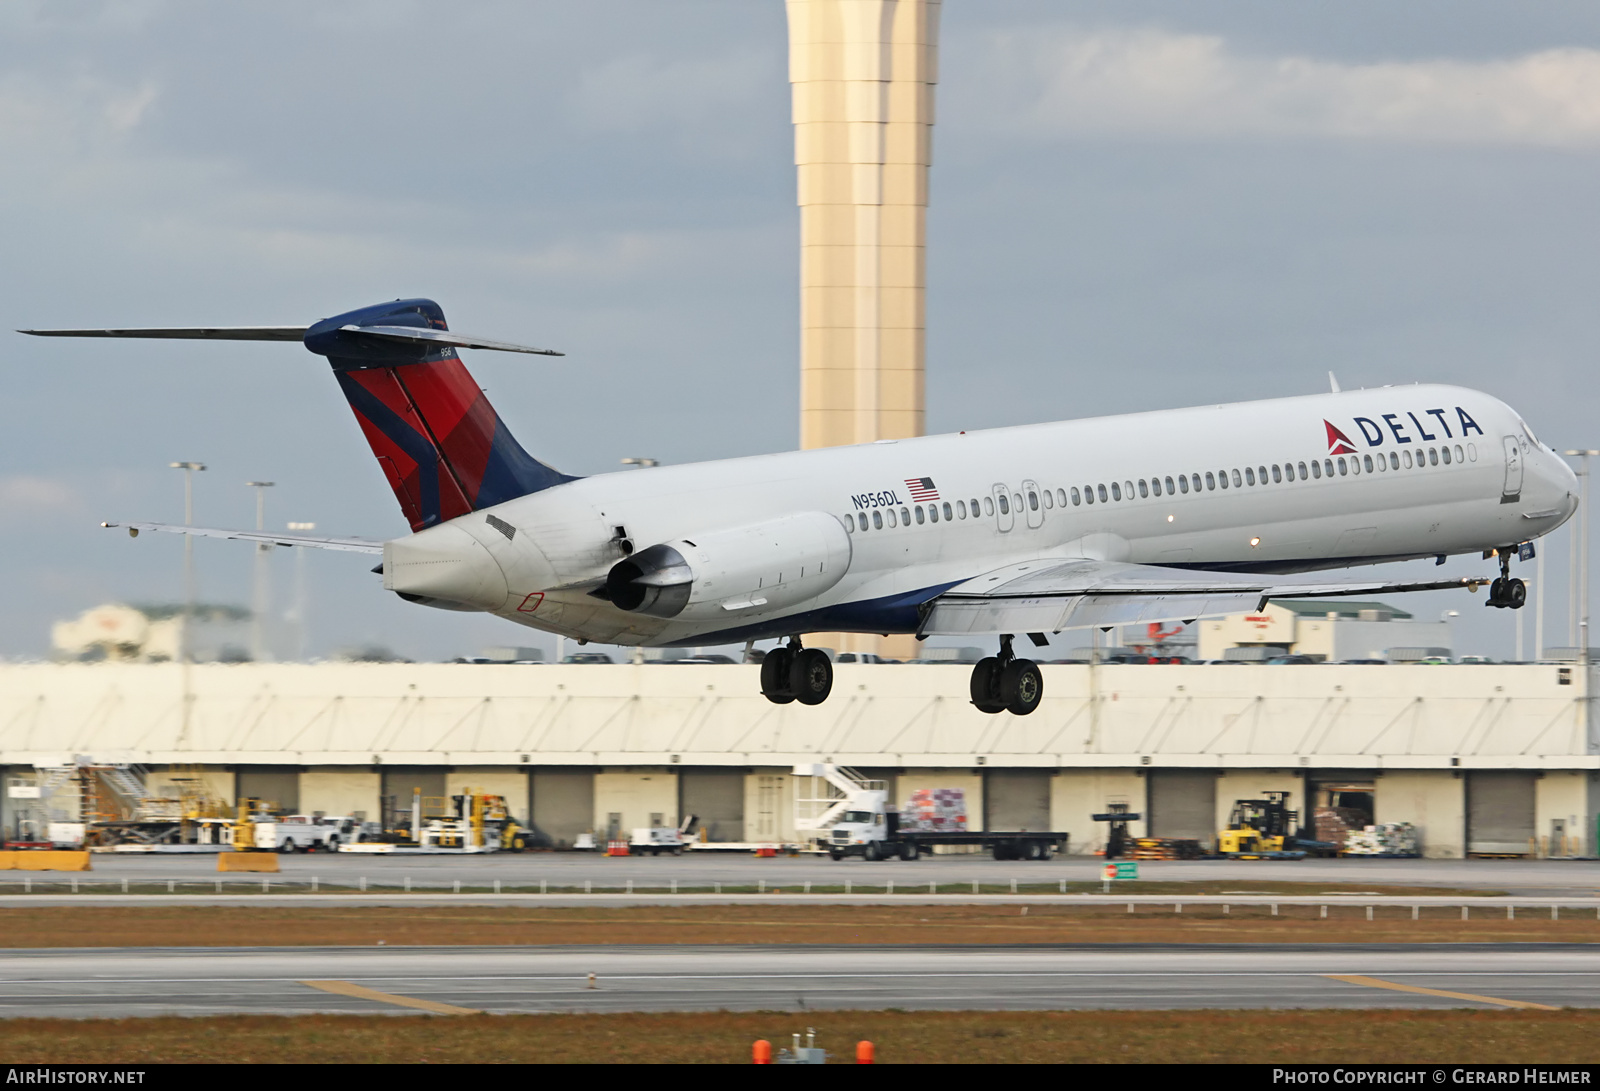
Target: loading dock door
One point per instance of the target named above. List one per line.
(401, 786)
(563, 807)
(1500, 813)
(277, 787)
(717, 799)
(1016, 800)
(1183, 803)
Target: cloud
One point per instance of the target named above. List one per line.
(22, 494)
(1151, 82)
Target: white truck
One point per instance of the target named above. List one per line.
(658, 839)
(852, 816)
(306, 833)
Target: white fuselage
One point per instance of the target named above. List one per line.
(1432, 471)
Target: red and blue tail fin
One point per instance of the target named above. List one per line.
(442, 446)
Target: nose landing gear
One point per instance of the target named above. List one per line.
(1004, 683)
(1506, 592)
(793, 673)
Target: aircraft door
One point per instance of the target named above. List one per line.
(1513, 486)
(1004, 516)
(1032, 504)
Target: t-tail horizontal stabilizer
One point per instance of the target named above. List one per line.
(440, 444)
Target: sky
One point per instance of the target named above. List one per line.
(1134, 206)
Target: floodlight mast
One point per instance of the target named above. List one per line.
(259, 590)
(1580, 535)
(188, 469)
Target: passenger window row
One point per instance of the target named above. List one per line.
(1210, 481)
(931, 513)
(1278, 473)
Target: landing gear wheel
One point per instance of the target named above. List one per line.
(1021, 687)
(775, 671)
(986, 685)
(1515, 594)
(872, 851)
(811, 676)
(1497, 591)
(908, 850)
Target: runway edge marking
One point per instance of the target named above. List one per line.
(346, 988)
(1380, 983)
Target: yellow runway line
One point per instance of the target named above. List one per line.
(1379, 983)
(345, 988)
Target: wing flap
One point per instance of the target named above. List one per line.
(1049, 596)
(344, 545)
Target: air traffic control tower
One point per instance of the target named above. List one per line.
(863, 73)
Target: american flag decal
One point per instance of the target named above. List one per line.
(922, 488)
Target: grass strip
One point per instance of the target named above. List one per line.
(900, 1037)
(324, 925)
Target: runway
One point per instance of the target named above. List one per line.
(145, 982)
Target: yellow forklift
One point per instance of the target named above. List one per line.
(1264, 829)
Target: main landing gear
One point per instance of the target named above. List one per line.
(1506, 592)
(793, 673)
(1004, 683)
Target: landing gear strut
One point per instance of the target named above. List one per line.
(1507, 592)
(794, 673)
(1004, 683)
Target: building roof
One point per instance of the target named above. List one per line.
(1343, 607)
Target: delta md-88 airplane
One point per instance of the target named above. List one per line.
(1162, 516)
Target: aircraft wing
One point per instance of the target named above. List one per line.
(1047, 596)
(347, 545)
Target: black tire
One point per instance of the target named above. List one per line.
(985, 685)
(287, 848)
(1046, 850)
(1516, 593)
(811, 676)
(835, 854)
(1496, 593)
(908, 850)
(1000, 851)
(775, 685)
(1021, 687)
(872, 851)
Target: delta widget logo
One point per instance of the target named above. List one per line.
(1338, 442)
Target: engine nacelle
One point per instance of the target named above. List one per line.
(726, 572)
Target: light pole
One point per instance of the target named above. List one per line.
(258, 605)
(301, 598)
(1580, 533)
(188, 469)
(641, 463)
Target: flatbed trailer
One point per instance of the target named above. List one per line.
(910, 844)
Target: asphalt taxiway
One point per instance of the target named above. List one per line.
(213, 981)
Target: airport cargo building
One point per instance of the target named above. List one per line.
(1492, 759)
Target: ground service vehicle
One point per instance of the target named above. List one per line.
(1264, 829)
(852, 816)
(306, 833)
(658, 839)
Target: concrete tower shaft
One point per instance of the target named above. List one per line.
(863, 73)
